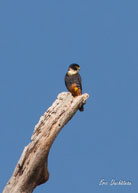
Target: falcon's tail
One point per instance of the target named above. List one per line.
(81, 108)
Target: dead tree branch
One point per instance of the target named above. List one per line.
(31, 169)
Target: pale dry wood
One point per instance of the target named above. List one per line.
(31, 169)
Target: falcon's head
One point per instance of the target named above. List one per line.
(73, 69)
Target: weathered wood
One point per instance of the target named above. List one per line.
(31, 169)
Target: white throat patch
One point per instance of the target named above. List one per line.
(72, 72)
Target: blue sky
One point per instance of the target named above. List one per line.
(38, 41)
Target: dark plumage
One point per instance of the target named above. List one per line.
(69, 80)
(73, 81)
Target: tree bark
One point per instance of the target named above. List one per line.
(31, 169)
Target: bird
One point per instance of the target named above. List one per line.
(73, 81)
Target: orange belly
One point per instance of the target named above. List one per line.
(75, 91)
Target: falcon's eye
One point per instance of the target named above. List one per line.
(75, 67)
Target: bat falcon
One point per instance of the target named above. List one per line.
(73, 81)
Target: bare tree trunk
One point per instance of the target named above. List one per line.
(31, 169)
